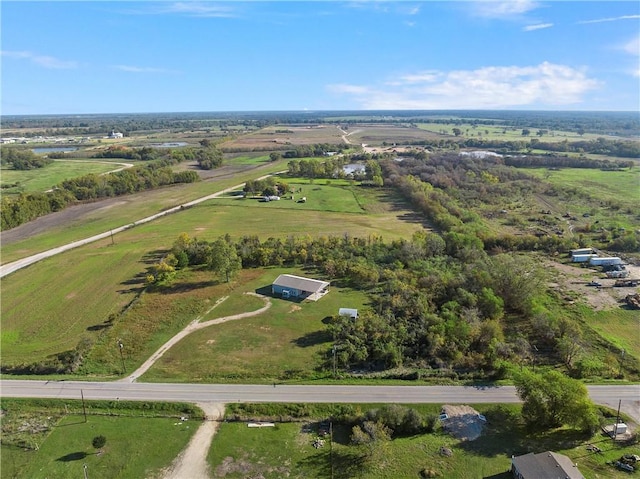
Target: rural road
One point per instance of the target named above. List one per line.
(233, 393)
(9, 268)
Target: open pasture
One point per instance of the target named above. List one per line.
(43, 179)
(281, 137)
(288, 341)
(619, 186)
(507, 133)
(89, 219)
(376, 135)
(48, 307)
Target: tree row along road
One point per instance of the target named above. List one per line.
(231, 393)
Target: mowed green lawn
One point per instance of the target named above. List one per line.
(50, 306)
(43, 179)
(67, 449)
(288, 341)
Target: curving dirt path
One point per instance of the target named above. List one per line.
(195, 325)
(191, 463)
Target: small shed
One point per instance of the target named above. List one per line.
(291, 286)
(350, 312)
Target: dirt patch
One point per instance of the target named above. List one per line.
(294, 308)
(572, 281)
(462, 422)
(247, 469)
(192, 462)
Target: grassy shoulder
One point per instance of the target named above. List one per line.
(288, 448)
(52, 439)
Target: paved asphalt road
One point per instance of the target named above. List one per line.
(230, 393)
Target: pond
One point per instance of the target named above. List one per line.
(53, 149)
(169, 144)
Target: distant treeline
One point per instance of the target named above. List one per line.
(620, 123)
(15, 211)
(565, 162)
(599, 146)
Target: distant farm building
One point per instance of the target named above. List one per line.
(290, 286)
(115, 134)
(350, 312)
(546, 465)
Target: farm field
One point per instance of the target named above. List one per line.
(86, 220)
(287, 450)
(286, 342)
(376, 135)
(68, 282)
(283, 137)
(40, 180)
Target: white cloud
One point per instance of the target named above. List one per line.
(539, 26)
(610, 19)
(543, 85)
(135, 69)
(190, 9)
(44, 61)
(503, 8)
(632, 46)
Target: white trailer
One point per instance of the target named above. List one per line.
(583, 258)
(605, 261)
(581, 251)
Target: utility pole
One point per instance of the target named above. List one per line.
(84, 409)
(615, 427)
(334, 361)
(121, 346)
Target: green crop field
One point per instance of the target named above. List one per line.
(43, 179)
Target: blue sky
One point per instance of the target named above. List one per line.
(121, 57)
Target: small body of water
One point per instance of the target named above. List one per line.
(169, 144)
(481, 154)
(353, 168)
(53, 149)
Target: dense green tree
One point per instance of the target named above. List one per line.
(224, 258)
(551, 399)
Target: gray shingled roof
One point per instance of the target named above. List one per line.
(298, 282)
(546, 465)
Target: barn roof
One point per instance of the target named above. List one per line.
(546, 465)
(298, 282)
